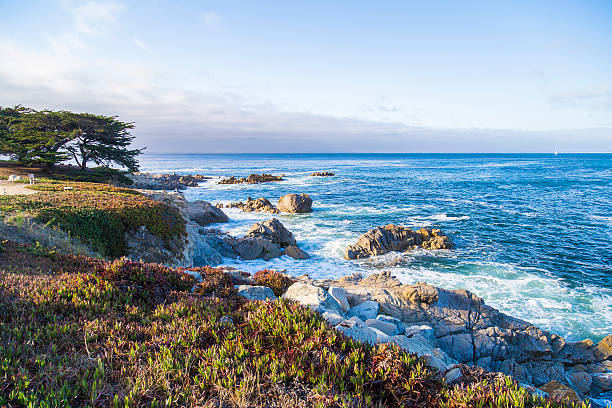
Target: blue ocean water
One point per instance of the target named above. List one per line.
(533, 232)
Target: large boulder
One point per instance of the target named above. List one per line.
(255, 292)
(273, 230)
(314, 297)
(253, 247)
(295, 252)
(293, 203)
(204, 213)
(381, 240)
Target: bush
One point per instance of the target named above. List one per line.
(278, 282)
(98, 214)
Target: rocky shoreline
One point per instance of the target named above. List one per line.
(448, 328)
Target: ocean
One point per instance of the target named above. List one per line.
(533, 232)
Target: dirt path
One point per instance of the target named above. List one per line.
(10, 188)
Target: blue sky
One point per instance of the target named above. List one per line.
(288, 76)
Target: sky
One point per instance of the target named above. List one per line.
(321, 76)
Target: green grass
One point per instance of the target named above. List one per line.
(77, 331)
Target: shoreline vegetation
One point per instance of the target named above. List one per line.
(127, 333)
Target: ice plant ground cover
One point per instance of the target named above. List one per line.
(77, 331)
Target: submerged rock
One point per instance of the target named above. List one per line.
(293, 203)
(381, 240)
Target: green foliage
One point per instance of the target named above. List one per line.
(99, 334)
(98, 214)
(64, 173)
(51, 137)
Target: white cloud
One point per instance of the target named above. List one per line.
(140, 44)
(594, 98)
(92, 17)
(175, 119)
(211, 19)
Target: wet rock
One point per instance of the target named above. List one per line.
(601, 382)
(322, 174)
(252, 179)
(293, 203)
(273, 230)
(257, 247)
(260, 205)
(603, 350)
(255, 292)
(381, 240)
(295, 252)
(357, 330)
(204, 213)
(364, 311)
(165, 181)
(560, 392)
(314, 297)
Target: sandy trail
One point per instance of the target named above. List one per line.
(10, 188)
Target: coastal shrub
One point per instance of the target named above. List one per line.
(215, 282)
(77, 331)
(278, 282)
(98, 214)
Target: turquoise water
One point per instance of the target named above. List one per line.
(533, 232)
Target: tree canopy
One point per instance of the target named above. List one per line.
(29, 136)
